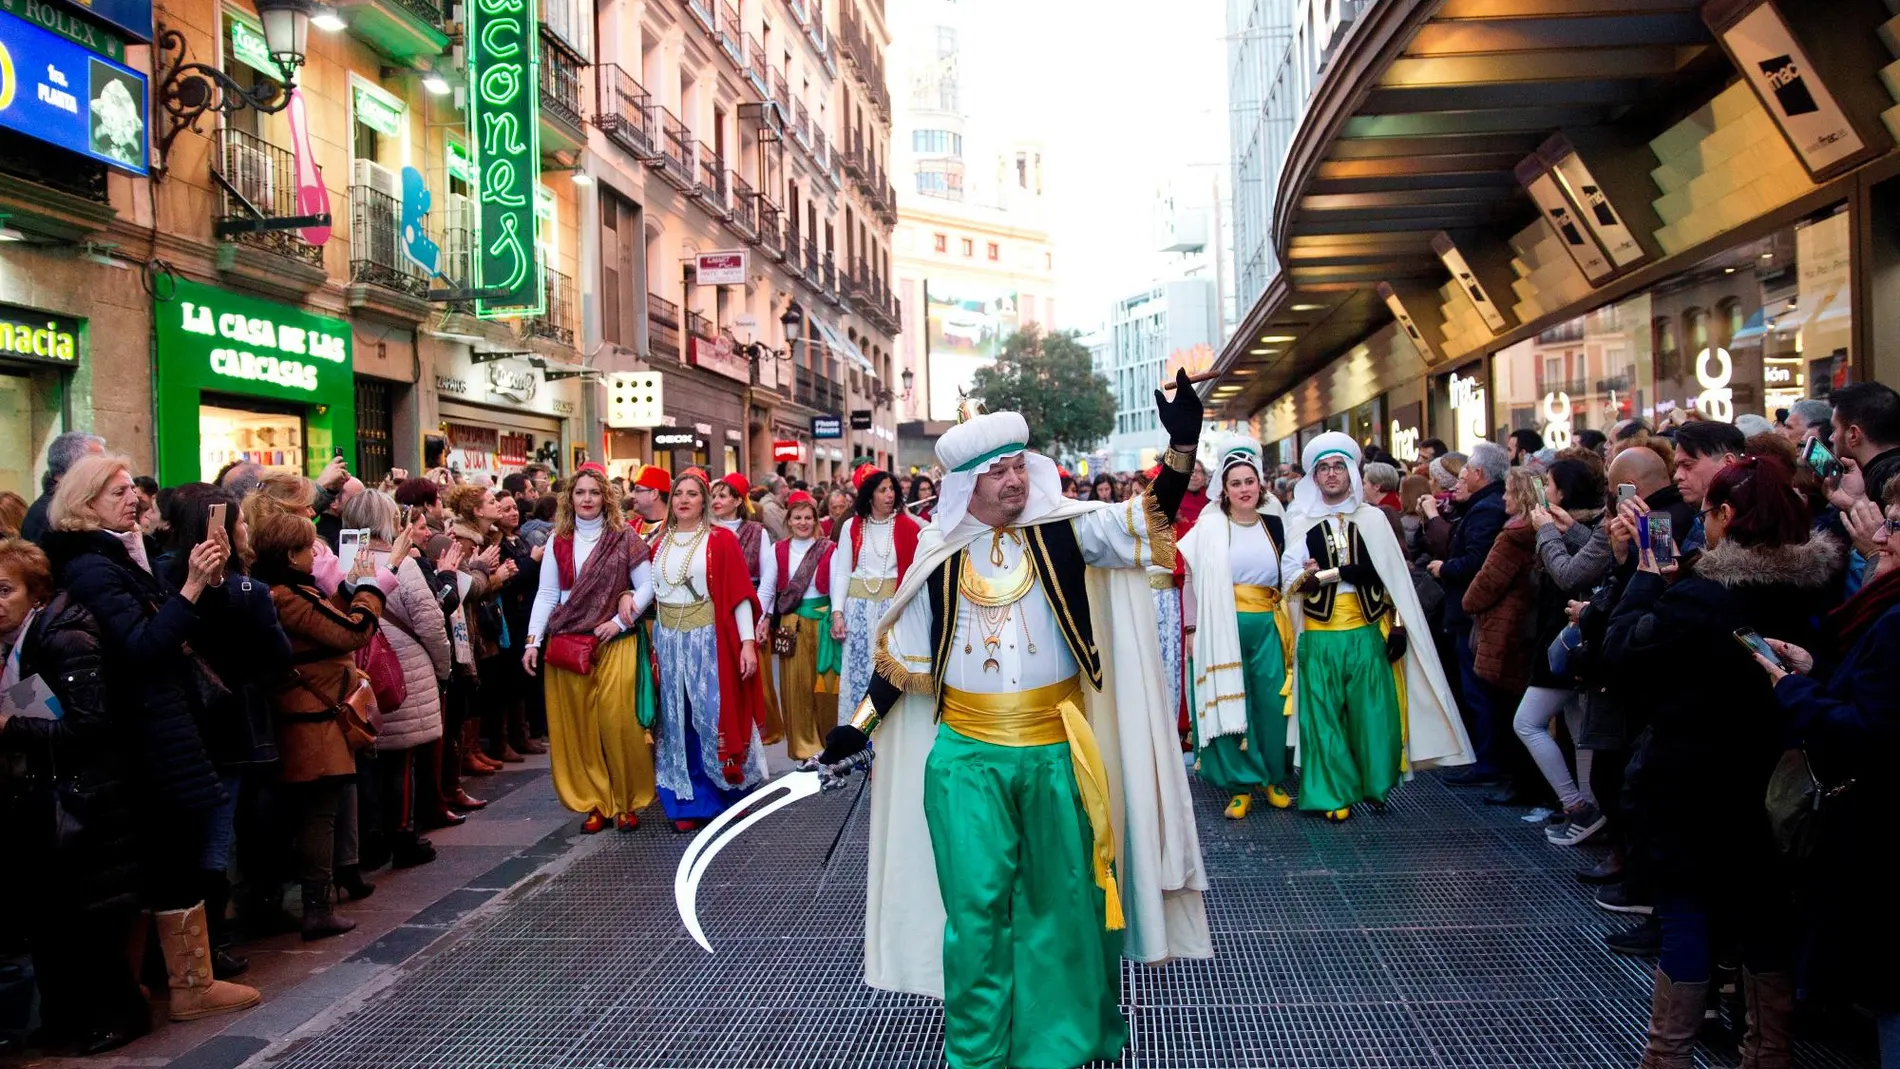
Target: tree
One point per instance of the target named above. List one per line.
(1051, 380)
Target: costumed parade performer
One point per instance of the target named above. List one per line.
(1167, 585)
(707, 748)
(1243, 639)
(651, 492)
(731, 510)
(806, 654)
(595, 584)
(876, 543)
(1031, 822)
(1370, 706)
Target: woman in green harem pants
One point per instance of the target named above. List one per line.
(1242, 637)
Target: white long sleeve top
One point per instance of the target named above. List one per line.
(795, 557)
(548, 593)
(666, 556)
(1251, 556)
(877, 559)
(768, 565)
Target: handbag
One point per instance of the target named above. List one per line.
(354, 710)
(784, 640)
(1798, 803)
(573, 653)
(379, 662)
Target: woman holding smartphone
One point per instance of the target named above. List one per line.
(1699, 775)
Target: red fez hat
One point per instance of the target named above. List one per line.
(654, 478)
(863, 472)
(697, 472)
(740, 485)
(799, 497)
(591, 468)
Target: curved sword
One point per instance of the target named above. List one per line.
(724, 829)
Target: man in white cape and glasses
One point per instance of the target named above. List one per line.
(1370, 700)
(1031, 823)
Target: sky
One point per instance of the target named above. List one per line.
(1125, 95)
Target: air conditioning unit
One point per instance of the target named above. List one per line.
(248, 168)
(377, 177)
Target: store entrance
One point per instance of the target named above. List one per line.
(232, 429)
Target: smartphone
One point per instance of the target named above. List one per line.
(1822, 461)
(1642, 532)
(348, 544)
(1661, 536)
(214, 521)
(1625, 492)
(1752, 641)
(1543, 499)
(339, 453)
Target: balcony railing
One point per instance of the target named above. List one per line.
(429, 11)
(677, 147)
(703, 11)
(560, 80)
(712, 181)
(700, 327)
(743, 207)
(820, 149)
(770, 239)
(828, 275)
(781, 92)
(663, 326)
(376, 244)
(265, 176)
(731, 38)
(815, 29)
(811, 262)
(757, 70)
(801, 122)
(801, 10)
(622, 109)
(556, 321)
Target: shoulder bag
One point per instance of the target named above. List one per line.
(354, 710)
(1799, 804)
(379, 662)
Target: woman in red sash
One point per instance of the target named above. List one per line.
(707, 748)
(595, 582)
(806, 654)
(875, 547)
(731, 510)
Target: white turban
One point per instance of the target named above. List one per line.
(1307, 500)
(968, 449)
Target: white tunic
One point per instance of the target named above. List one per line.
(548, 593)
(768, 565)
(877, 559)
(793, 558)
(667, 556)
(1250, 555)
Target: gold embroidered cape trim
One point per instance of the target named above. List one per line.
(1160, 532)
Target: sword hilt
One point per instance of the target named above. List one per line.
(834, 776)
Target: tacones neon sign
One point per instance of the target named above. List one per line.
(505, 126)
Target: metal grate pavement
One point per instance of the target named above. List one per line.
(1441, 933)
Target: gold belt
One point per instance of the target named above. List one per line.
(861, 588)
(688, 617)
(1160, 581)
(1045, 716)
(1347, 614)
(1251, 598)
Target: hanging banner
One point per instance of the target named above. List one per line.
(504, 117)
(1454, 262)
(1592, 204)
(1773, 62)
(1563, 219)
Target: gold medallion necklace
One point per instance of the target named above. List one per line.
(994, 599)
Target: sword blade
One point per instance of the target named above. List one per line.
(723, 830)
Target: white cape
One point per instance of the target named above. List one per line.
(1220, 681)
(1159, 853)
(1435, 734)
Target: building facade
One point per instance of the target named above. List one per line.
(199, 308)
(1166, 325)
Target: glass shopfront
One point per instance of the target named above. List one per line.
(1458, 408)
(1748, 331)
(39, 351)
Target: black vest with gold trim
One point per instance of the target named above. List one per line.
(1318, 605)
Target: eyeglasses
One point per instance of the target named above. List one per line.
(1336, 467)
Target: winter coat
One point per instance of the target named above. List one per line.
(1556, 588)
(1471, 537)
(1699, 771)
(144, 624)
(324, 633)
(1500, 601)
(412, 622)
(238, 636)
(82, 760)
(1848, 719)
(484, 595)
(1878, 470)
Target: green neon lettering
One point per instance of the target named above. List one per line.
(509, 244)
(500, 7)
(501, 134)
(498, 186)
(501, 49)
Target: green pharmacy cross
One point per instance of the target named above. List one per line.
(504, 124)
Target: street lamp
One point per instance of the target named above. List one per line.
(187, 90)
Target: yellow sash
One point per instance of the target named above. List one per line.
(1251, 598)
(1043, 717)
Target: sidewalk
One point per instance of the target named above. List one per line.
(523, 830)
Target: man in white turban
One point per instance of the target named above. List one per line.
(1030, 823)
(1370, 705)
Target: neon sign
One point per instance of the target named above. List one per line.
(504, 121)
(1467, 406)
(1404, 442)
(1714, 368)
(259, 341)
(1557, 420)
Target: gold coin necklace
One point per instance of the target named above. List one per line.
(994, 599)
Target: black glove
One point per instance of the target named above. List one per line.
(1181, 416)
(1395, 645)
(1360, 574)
(842, 744)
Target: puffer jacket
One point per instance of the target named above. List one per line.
(412, 622)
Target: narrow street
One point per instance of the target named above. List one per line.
(1440, 934)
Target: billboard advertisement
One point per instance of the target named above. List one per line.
(964, 329)
(58, 92)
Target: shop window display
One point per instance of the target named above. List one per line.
(227, 435)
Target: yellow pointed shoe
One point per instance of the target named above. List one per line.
(1278, 798)
(1338, 816)
(1239, 806)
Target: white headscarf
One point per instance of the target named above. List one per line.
(1235, 449)
(970, 448)
(1307, 500)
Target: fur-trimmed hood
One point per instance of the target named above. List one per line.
(1809, 566)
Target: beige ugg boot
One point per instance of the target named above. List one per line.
(1675, 1016)
(195, 993)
